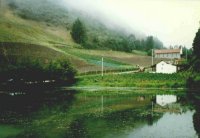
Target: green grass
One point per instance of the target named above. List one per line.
(16, 30)
(95, 58)
(141, 80)
(137, 52)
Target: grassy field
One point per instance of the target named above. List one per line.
(16, 29)
(138, 80)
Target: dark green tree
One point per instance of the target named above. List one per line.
(131, 41)
(78, 32)
(149, 43)
(196, 45)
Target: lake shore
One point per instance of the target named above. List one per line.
(136, 80)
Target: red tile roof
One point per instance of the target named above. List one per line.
(166, 51)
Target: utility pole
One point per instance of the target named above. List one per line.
(102, 67)
(152, 108)
(152, 58)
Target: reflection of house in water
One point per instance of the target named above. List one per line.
(163, 100)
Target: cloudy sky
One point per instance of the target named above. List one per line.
(174, 22)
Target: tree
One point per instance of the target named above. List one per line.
(78, 32)
(131, 41)
(196, 45)
(149, 43)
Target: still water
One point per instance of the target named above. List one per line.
(99, 114)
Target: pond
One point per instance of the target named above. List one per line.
(100, 114)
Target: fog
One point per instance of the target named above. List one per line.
(174, 22)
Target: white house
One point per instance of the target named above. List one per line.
(163, 67)
(163, 100)
(168, 53)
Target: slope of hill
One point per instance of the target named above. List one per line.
(44, 31)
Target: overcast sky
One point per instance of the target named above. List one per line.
(174, 22)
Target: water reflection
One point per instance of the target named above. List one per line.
(164, 100)
(194, 98)
(196, 122)
(15, 106)
(73, 114)
(170, 125)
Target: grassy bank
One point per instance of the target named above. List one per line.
(141, 80)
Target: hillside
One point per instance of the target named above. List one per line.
(44, 32)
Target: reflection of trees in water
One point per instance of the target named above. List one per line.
(21, 106)
(77, 129)
(115, 122)
(195, 101)
(196, 122)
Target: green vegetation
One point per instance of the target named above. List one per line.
(138, 52)
(26, 70)
(139, 80)
(196, 53)
(14, 29)
(35, 63)
(78, 32)
(196, 45)
(95, 59)
(81, 59)
(193, 81)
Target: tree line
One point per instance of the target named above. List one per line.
(118, 43)
(27, 69)
(193, 81)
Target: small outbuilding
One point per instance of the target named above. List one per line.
(164, 67)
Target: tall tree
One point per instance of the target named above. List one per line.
(78, 32)
(149, 43)
(131, 41)
(196, 45)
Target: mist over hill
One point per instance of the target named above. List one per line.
(102, 33)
